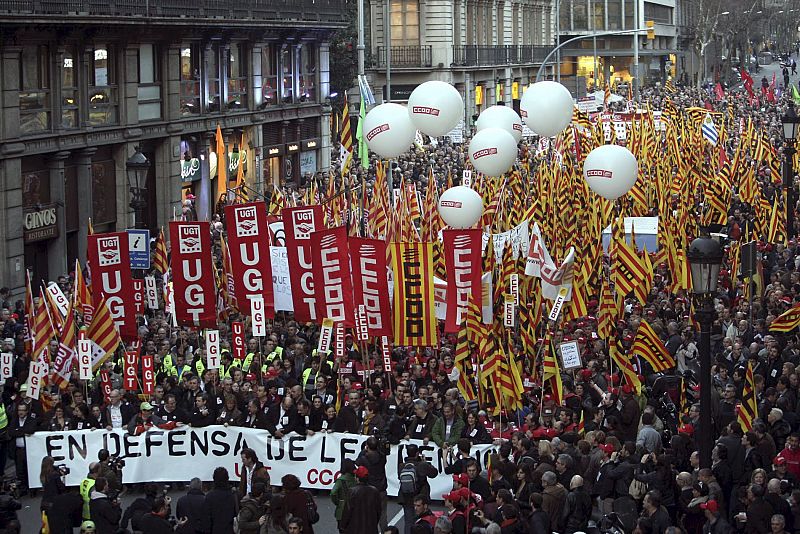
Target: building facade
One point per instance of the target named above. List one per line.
(85, 84)
(487, 49)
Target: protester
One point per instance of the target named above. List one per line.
(363, 512)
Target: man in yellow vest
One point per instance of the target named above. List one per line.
(3, 437)
(86, 486)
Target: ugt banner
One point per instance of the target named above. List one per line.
(248, 244)
(168, 455)
(462, 258)
(107, 255)
(193, 274)
(414, 313)
(299, 223)
(333, 288)
(370, 286)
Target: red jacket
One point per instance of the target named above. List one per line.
(792, 460)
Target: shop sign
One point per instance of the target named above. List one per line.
(274, 151)
(310, 144)
(291, 148)
(40, 223)
(190, 170)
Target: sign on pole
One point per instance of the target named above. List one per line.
(139, 248)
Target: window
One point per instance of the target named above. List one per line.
(34, 95)
(103, 86)
(614, 14)
(269, 75)
(237, 77)
(212, 78)
(579, 15)
(69, 89)
(471, 40)
(287, 76)
(598, 12)
(405, 23)
(515, 14)
(149, 83)
(628, 6)
(190, 79)
(104, 188)
(308, 73)
(658, 13)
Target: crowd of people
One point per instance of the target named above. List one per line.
(607, 454)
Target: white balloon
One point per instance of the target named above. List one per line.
(461, 207)
(388, 130)
(501, 117)
(546, 108)
(435, 108)
(492, 151)
(610, 170)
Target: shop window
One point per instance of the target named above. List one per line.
(103, 86)
(308, 73)
(269, 76)
(212, 78)
(69, 89)
(237, 76)
(149, 91)
(190, 79)
(34, 95)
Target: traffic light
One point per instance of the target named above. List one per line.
(651, 30)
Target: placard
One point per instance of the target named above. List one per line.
(509, 315)
(84, 357)
(6, 365)
(386, 353)
(212, 349)
(131, 371)
(466, 178)
(237, 338)
(148, 376)
(558, 304)
(138, 295)
(150, 292)
(362, 331)
(325, 336)
(259, 316)
(37, 372)
(570, 355)
(58, 297)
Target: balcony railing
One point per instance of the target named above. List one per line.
(471, 55)
(404, 56)
(255, 10)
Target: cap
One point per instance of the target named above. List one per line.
(779, 460)
(23, 387)
(710, 505)
(9, 341)
(361, 472)
(687, 429)
(606, 448)
(146, 406)
(461, 478)
(453, 496)
(88, 525)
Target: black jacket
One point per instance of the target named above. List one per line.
(481, 486)
(288, 422)
(249, 514)
(539, 523)
(375, 462)
(198, 420)
(192, 506)
(579, 510)
(65, 514)
(135, 511)
(154, 524)
(424, 471)
(348, 420)
(363, 512)
(105, 515)
(221, 508)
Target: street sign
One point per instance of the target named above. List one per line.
(139, 248)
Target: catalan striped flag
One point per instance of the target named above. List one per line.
(581, 425)
(624, 363)
(747, 410)
(43, 330)
(670, 87)
(463, 363)
(629, 272)
(608, 313)
(82, 300)
(103, 334)
(66, 357)
(415, 322)
(606, 96)
(649, 346)
(787, 321)
(160, 260)
(551, 372)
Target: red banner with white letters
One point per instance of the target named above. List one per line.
(130, 380)
(333, 289)
(238, 341)
(462, 259)
(248, 244)
(298, 224)
(370, 285)
(110, 265)
(193, 274)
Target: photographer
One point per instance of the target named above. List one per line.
(104, 510)
(52, 484)
(373, 457)
(158, 521)
(8, 512)
(111, 469)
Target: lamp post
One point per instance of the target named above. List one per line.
(705, 258)
(136, 168)
(790, 123)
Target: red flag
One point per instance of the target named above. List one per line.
(748, 82)
(370, 286)
(719, 91)
(299, 223)
(107, 256)
(248, 240)
(192, 273)
(462, 256)
(333, 289)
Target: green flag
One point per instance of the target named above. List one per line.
(363, 150)
(795, 95)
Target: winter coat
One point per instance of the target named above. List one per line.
(340, 493)
(363, 512)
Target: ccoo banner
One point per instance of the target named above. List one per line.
(168, 455)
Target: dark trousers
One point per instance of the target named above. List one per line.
(21, 463)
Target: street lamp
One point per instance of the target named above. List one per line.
(136, 168)
(790, 123)
(705, 258)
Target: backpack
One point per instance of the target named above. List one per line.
(313, 514)
(408, 480)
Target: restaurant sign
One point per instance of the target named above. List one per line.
(40, 223)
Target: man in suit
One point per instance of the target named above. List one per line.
(117, 412)
(350, 416)
(22, 425)
(282, 418)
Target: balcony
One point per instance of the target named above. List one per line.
(186, 11)
(473, 56)
(403, 56)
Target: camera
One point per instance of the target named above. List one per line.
(63, 470)
(116, 462)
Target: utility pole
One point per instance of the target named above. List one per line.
(360, 48)
(636, 48)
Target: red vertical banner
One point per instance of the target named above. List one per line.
(462, 258)
(105, 385)
(130, 376)
(248, 244)
(238, 341)
(138, 295)
(148, 374)
(107, 255)
(370, 284)
(386, 352)
(333, 288)
(299, 223)
(193, 274)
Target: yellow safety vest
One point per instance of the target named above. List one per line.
(179, 372)
(248, 360)
(86, 493)
(200, 366)
(307, 375)
(3, 416)
(167, 361)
